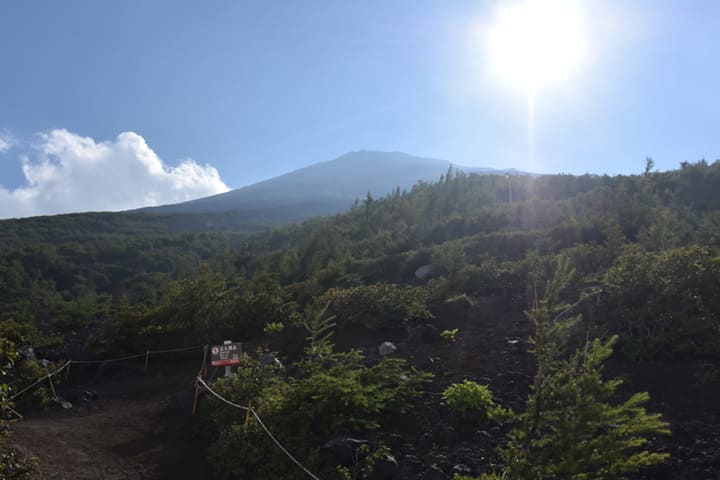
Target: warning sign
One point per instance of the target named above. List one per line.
(225, 354)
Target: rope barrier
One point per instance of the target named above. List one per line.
(199, 381)
(138, 355)
(109, 360)
(67, 364)
(260, 422)
(174, 350)
(41, 379)
(220, 397)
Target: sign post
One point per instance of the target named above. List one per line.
(227, 355)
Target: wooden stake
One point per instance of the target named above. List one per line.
(197, 394)
(247, 414)
(147, 358)
(52, 388)
(203, 368)
(202, 374)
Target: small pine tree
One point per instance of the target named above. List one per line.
(649, 165)
(571, 427)
(319, 328)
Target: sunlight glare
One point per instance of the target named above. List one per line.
(537, 42)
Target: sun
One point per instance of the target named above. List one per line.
(536, 43)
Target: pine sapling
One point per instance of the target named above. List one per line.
(572, 427)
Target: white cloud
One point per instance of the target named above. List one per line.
(5, 143)
(68, 173)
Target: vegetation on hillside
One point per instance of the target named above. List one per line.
(644, 247)
(328, 394)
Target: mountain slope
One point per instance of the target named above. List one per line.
(323, 188)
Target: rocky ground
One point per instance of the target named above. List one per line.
(141, 427)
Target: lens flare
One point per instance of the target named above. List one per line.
(537, 42)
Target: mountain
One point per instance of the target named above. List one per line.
(322, 188)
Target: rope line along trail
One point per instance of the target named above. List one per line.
(199, 381)
(42, 379)
(119, 359)
(137, 355)
(67, 364)
(260, 422)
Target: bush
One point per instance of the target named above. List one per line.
(377, 306)
(450, 335)
(11, 466)
(202, 308)
(330, 393)
(664, 304)
(21, 368)
(468, 396)
(273, 327)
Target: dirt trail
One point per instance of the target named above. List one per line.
(140, 427)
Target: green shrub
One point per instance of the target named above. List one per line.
(573, 427)
(273, 327)
(202, 308)
(450, 335)
(468, 396)
(329, 393)
(20, 370)
(664, 303)
(377, 306)
(11, 466)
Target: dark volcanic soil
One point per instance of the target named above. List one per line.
(141, 426)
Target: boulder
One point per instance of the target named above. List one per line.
(79, 397)
(423, 272)
(386, 348)
(268, 359)
(30, 353)
(341, 451)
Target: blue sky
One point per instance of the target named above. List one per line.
(256, 89)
